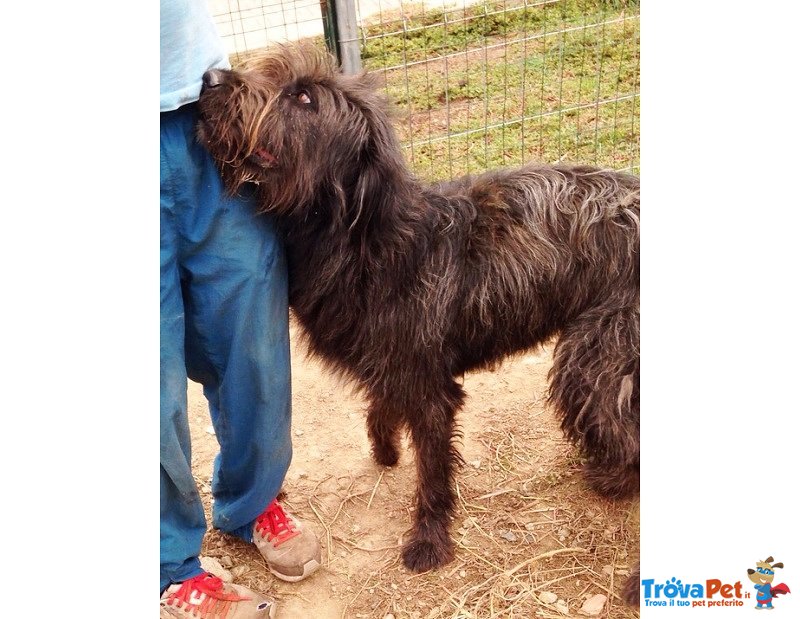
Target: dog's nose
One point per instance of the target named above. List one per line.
(212, 78)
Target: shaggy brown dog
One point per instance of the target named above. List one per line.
(402, 287)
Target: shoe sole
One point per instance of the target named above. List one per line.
(308, 569)
(273, 611)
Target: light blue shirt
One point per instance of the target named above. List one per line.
(190, 46)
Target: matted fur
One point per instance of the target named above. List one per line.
(402, 287)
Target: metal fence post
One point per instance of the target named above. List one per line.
(329, 26)
(346, 29)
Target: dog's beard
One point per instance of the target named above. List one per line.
(237, 166)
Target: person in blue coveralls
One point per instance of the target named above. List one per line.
(224, 324)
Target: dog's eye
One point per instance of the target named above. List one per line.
(303, 97)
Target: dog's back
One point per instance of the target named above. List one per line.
(540, 245)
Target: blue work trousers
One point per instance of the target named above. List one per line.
(224, 324)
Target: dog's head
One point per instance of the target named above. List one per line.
(764, 572)
(304, 132)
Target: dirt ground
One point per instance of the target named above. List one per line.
(531, 539)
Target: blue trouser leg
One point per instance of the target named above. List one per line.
(224, 323)
(182, 519)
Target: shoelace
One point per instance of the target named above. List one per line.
(275, 525)
(204, 596)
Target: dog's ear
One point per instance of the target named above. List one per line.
(382, 177)
(768, 560)
(751, 571)
(777, 565)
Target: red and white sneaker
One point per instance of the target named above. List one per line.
(292, 552)
(207, 597)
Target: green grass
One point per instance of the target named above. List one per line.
(438, 31)
(551, 64)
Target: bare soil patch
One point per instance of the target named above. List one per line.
(526, 524)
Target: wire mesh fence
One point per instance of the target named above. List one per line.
(479, 84)
(249, 25)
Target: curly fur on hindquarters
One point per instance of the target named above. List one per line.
(402, 286)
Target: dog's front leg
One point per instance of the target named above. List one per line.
(432, 428)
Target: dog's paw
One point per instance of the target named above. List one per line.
(386, 455)
(421, 555)
(630, 592)
(612, 482)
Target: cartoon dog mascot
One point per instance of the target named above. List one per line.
(763, 576)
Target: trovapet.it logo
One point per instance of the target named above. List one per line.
(712, 592)
(715, 592)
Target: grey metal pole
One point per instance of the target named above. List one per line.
(347, 27)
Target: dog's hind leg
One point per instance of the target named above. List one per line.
(594, 386)
(630, 591)
(383, 429)
(432, 425)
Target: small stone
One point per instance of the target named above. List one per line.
(476, 463)
(463, 573)
(393, 586)
(210, 430)
(548, 597)
(608, 570)
(530, 526)
(562, 607)
(355, 528)
(298, 433)
(593, 606)
(508, 536)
